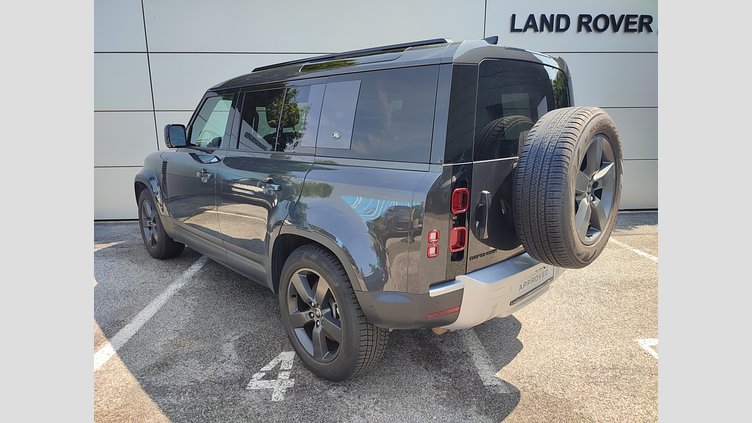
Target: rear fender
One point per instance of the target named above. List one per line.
(330, 242)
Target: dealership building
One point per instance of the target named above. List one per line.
(153, 60)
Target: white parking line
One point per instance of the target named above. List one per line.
(482, 361)
(102, 246)
(116, 342)
(648, 344)
(634, 250)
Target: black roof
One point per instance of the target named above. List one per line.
(416, 53)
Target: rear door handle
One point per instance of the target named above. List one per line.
(204, 175)
(481, 214)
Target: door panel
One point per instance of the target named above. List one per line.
(191, 186)
(190, 177)
(261, 177)
(256, 192)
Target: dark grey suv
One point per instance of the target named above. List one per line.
(432, 184)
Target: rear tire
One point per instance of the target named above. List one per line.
(323, 319)
(157, 242)
(567, 186)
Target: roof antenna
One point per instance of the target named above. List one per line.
(494, 39)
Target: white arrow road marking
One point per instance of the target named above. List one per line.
(282, 382)
(648, 344)
(123, 335)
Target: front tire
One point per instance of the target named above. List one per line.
(156, 240)
(323, 319)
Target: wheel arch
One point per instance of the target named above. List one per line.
(291, 237)
(147, 179)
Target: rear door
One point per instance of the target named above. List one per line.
(190, 175)
(262, 175)
(511, 96)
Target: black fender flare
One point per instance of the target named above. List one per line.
(332, 244)
(148, 177)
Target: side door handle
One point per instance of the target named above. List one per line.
(204, 175)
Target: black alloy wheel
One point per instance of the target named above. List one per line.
(594, 190)
(322, 316)
(156, 240)
(314, 314)
(149, 224)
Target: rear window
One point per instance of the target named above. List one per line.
(393, 117)
(512, 95)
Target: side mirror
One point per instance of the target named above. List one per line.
(174, 135)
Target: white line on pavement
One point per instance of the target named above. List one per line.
(482, 362)
(634, 250)
(648, 344)
(102, 246)
(116, 342)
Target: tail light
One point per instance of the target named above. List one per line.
(433, 251)
(433, 236)
(460, 200)
(457, 239)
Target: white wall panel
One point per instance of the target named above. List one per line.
(305, 26)
(114, 197)
(123, 138)
(196, 44)
(640, 185)
(638, 131)
(180, 80)
(614, 79)
(498, 22)
(118, 26)
(163, 118)
(121, 82)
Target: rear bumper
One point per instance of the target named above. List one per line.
(498, 290)
(401, 310)
(494, 291)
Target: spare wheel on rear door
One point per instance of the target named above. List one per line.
(567, 186)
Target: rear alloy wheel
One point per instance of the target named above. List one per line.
(567, 186)
(314, 315)
(322, 316)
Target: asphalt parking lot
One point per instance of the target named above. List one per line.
(188, 340)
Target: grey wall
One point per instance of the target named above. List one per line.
(154, 59)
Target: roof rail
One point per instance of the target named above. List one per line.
(356, 53)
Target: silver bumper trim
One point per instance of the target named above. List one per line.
(445, 288)
(500, 289)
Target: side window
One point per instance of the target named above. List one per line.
(300, 117)
(337, 114)
(211, 122)
(393, 115)
(260, 119)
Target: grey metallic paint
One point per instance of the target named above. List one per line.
(324, 199)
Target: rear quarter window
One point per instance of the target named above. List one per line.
(393, 115)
